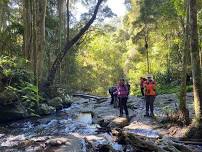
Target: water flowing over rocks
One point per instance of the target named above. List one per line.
(93, 125)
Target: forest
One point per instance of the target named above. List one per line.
(59, 58)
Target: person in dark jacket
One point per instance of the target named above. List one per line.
(128, 85)
(142, 81)
(122, 93)
(113, 96)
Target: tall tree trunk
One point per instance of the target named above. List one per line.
(182, 106)
(61, 31)
(40, 36)
(67, 28)
(195, 59)
(196, 128)
(34, 52)
(146, 39)
(68, 45)
(34, 34)
(3, 15)
(27, 10)
(66, 61)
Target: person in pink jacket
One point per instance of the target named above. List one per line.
(122, 93)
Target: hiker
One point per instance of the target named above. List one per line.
(150, 94)
(142, 81)
(122, 91)
(112, 90)
(128, 86)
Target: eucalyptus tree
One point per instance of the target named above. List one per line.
(34, 34)
(196, 127)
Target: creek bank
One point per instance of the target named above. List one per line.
(12, 108)
(93, 125)
(20, 98)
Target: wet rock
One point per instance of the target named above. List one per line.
(13, 140)
(56, 102)
(103, 123)
(40, 139)
(56, 141)
(104, 148)
(44, 109)
(119, 122)
(66, 101)
(149, 133)
(106, 112)
(13, 112)
(69, 143)
(7, 97)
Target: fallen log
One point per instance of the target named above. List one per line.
(138, 143)
(141, 144)
(192, 142)
(103, 130)
(144, 144)
(87, 96)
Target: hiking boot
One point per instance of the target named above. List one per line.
(121, 115)
(152, 115)
(146, 115)
(127, 117)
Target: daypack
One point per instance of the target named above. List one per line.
(112, 90)
(150, 88)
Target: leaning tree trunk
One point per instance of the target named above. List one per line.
(68, 45)
(196, 128)
(183, 111)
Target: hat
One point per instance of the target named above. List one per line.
(149, 76)
(122, 79)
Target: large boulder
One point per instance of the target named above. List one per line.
(13, 112)
(7, 97)
(66, 100)
(119, 122)
(56, 102)
(56, 92)
(45, 109)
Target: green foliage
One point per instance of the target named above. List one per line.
(20, 81)
(106, 52)
(99, 63)
(167, 89)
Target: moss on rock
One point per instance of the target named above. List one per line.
(56, 102)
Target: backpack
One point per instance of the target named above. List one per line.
(150, 88)
(112, 90)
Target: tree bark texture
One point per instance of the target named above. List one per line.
(195, 59)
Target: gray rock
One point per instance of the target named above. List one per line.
(44, 109)
(69, 143)
(13, 112)
(119, 122)
(56, 102)
(7, 97)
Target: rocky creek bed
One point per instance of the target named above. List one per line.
(93, 125)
